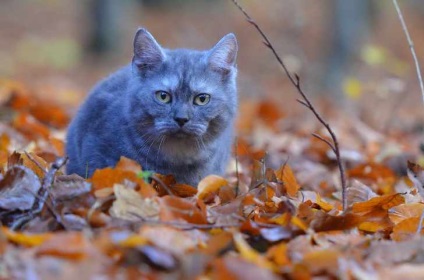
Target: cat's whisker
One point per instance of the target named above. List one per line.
(160, 145)
(197, 143)
(148, 151)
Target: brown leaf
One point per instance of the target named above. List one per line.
(416, 175)
(67, 245)
(19, 188)
(129, 205)
(233, 267)
(174, 208)
(67, 187)
(372, 171)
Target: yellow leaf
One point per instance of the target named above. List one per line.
(352, 88)
(29, 240)
(133, 241)
(299, 223)
(373, 55)
(250, 254)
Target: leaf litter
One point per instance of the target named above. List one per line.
(277, 213)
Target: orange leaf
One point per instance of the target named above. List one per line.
(372, 171)
(285, 174)
(323, 260)
(183, 190)
(29, 126)
(406, 229)
(404, 211)
(384, 202)
(108, 177)
(173, 208)
(278, 254)
(67, 245)
(269, 113)
(34, 167)
(210, 184)
(50, 114)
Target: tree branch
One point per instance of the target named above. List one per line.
(411, 46)
(295, 80)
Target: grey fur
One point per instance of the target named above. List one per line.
(122, 117)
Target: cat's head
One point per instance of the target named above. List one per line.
(185, 93)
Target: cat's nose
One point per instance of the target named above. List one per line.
(181, 121)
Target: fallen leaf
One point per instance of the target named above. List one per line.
(26, 239)
(210, 184)
(404, 211)
(174, 208)
(129, 205)
(285, 174)
(19, 188)
(77, 246)
(250, 254)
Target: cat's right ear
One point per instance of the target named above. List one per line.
(148, 54)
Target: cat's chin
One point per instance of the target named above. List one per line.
(182, 134)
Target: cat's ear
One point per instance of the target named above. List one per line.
(223, 55)
(148, 54)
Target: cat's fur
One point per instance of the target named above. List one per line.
(123, 117)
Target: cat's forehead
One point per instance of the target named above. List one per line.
(187, 68)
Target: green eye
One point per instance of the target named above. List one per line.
(202, 99)
(163, 96)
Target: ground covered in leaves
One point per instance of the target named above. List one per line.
(277, 213)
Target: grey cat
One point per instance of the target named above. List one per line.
(170, 110)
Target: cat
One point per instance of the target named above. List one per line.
(172, 111)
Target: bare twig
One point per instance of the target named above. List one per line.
(237, 166)
(411, 46)
(188, 226)
(295, 80)
(324, 140)
(41, 198)
(420, 224)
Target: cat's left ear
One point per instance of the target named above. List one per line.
(148, 54)
(223, 55)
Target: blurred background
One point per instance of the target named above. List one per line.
(352, 53)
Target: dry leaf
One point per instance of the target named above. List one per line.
(129, 205)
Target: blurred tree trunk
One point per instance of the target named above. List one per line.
(351, 21)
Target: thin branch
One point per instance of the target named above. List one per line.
(420, 224)
(411, 46)
(324, 140)
(188, 226)
(295, 80)
(237, 166)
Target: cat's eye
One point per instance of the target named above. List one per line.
(163, 96)
(202, 99)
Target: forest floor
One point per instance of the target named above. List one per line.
(278, 212)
